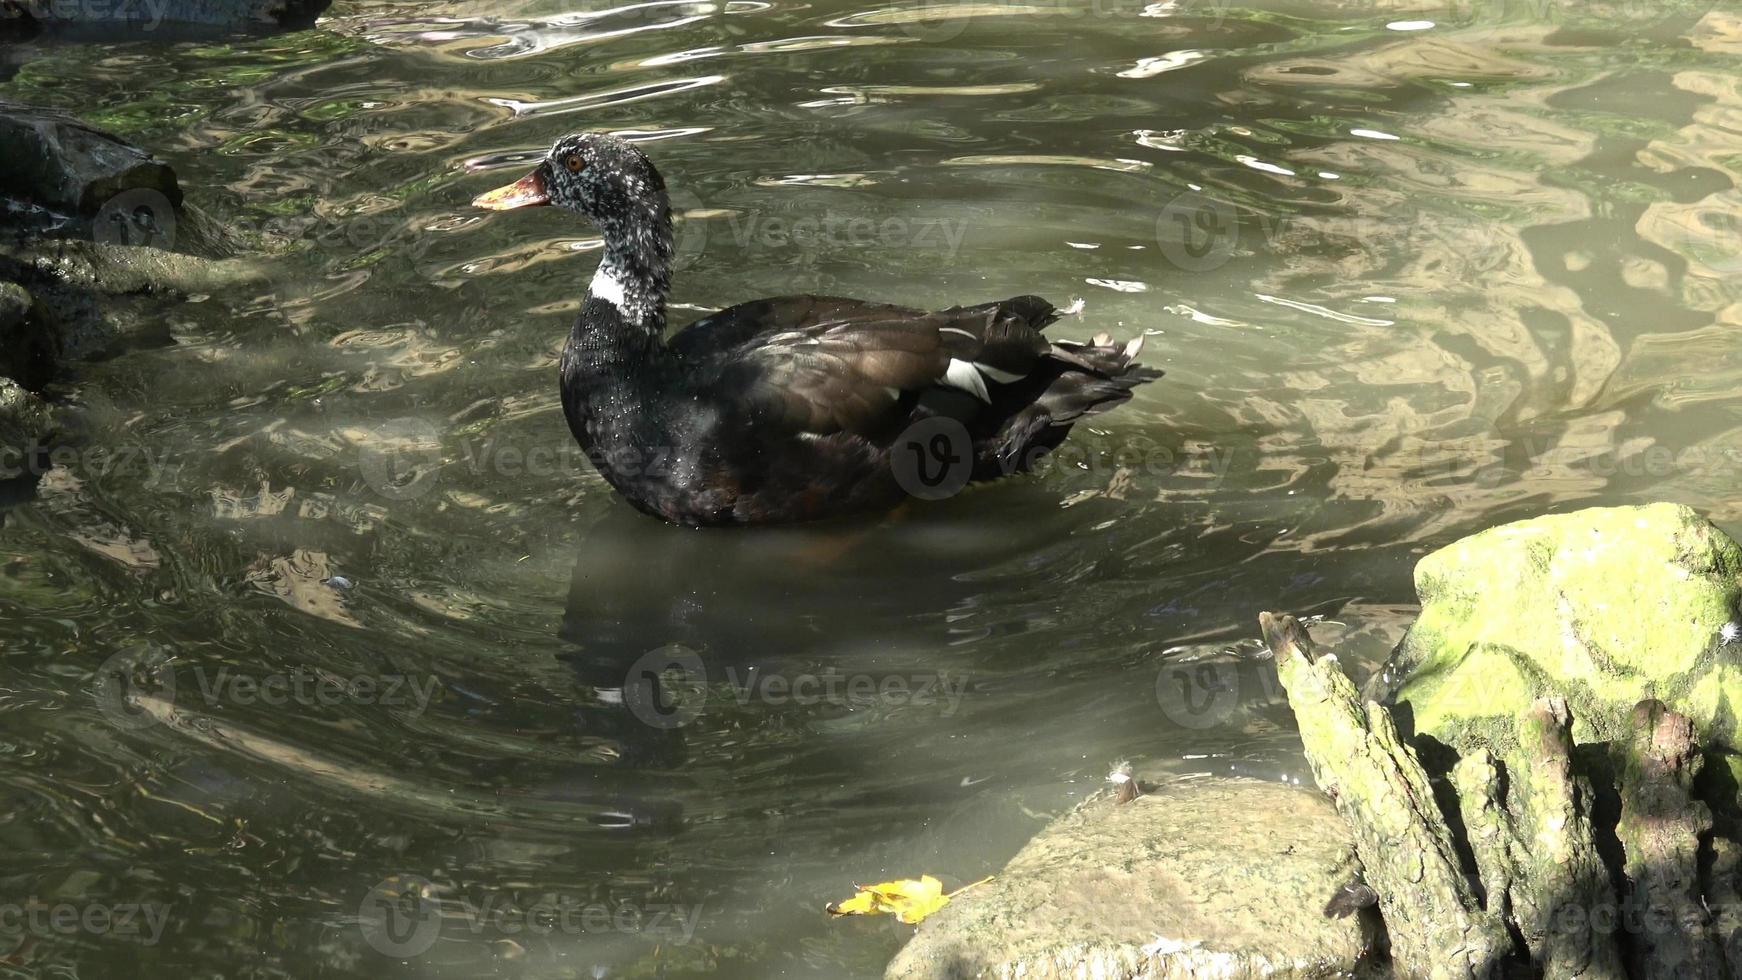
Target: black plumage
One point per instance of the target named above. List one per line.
(792, 408)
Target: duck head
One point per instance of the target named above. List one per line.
(607, 180)
(602, 177)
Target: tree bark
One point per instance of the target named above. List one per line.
(1438, 929)
(1574, 935)
(1725, 901)
(1661, 827)
(1531, 835)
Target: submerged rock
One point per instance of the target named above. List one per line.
(27, 351)
(27, 347)
(61, 178)
(95, 300)
(64, 299)
(1224, 878)
(1605, 607)
(63, 166)
(24, 421)
(95, 221)
(108, 20)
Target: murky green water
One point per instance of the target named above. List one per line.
(1413, 270)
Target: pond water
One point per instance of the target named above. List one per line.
(322, 614)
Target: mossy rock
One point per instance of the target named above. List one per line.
(1203, 878)
(1604, 607)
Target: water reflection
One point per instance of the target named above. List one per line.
(1412, 270)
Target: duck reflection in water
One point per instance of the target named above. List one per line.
(659, 616)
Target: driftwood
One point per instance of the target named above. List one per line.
(1438, 928)
(1541, 890)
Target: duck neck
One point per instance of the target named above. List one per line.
(622, 320)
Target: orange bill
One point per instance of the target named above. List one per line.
(526, 192)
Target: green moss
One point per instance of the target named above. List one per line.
(1483, 684)
(1713, 698)
(1603, 606)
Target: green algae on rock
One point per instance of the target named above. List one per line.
(1605, 607)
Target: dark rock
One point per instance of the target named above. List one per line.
(60, 175)
(61, 178)
(106, 19)
(62, 298)
(27, 347)
(24, 422)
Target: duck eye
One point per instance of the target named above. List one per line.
(574, 162)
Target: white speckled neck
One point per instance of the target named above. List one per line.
(609, 287)
(636, 299)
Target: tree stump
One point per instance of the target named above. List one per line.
(1661, 827)
(1438, 928)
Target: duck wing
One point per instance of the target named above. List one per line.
(823, 365)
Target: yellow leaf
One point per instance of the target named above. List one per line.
(908, 900)
(864, 903)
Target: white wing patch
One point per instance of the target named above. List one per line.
(970, 376)
(964, 375)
